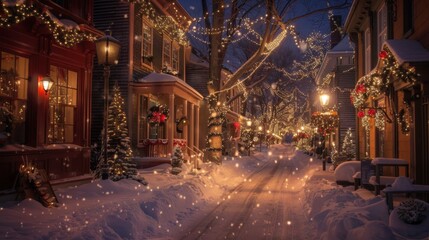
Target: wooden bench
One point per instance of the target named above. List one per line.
(411, 189)
(379, 181)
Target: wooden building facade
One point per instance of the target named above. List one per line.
(151, 74)
(391, 94)
(51, 130)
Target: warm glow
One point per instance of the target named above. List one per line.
(324, 99)
(47, 84)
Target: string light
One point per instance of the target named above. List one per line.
(67, 36)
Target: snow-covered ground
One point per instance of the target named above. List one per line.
(171, 204)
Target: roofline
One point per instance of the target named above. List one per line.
(325, 62)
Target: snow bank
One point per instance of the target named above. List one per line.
(345, 171)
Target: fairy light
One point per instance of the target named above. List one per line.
(64, 35)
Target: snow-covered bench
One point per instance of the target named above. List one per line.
(402, 185)
(379, 181)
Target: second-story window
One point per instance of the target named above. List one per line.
(147, 43)
(381, 27)
(175, 58)
(367, 39)
(166, 53)
(408, 17)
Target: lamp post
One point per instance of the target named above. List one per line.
(249, 124)
(324, 101)
(260, 138)
(107, 48)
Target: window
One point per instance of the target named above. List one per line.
(367, 51)
(381, 27)
(13, 96)
(62, 105)
(142, 121)
(166, 53)
(175, 58)
(147, 43)
(408, 17)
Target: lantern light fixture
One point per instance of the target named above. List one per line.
(47, 84)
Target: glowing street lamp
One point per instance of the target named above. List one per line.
(107, 48)
(324, 100)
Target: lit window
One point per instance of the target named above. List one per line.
(381, 26)
(166, 53)
(13, 96)
(175, 58)
(62, 105)
(147, 43)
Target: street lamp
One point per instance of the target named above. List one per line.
(260, 138)
(107, 48)
(324, 100)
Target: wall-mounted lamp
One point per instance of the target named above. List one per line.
(47, 84)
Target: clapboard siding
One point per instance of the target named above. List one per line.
(110, 14)
(197, 76)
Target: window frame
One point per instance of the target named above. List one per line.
(175, 66)
(408, 13)
(166, 40)
(56, 88)
(145, 56)
(367, 44)
(17, 99)
(381, 26)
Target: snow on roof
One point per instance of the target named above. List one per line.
(343, 46)
(330, 60)
(155, 77)
(406, 50)
(159, 77)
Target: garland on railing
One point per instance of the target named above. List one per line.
(68, 36)
(378, 83)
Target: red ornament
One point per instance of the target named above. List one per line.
(360, 88)
(162, 118)
(382, 54)
(236, 125)
(361, 114)
(372, 112)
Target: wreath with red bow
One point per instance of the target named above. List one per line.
(158, 114)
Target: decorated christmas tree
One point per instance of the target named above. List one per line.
(348, 147)
(119, 152)
(177, 161)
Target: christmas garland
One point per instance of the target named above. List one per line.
(67, 36)
(158, 114)
(326, 122)
(378, 82)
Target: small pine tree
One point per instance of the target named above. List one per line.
(177, 161)
(119, 152)
(348, 148)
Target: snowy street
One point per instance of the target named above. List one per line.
(276, 194)
(266, 205)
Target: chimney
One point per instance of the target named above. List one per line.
(335, 22)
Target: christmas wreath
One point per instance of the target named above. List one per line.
(158, 114)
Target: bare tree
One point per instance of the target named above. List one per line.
(222, 22)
